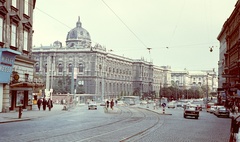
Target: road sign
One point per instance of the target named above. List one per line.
(163, 104)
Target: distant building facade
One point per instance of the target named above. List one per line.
(187, 79)
(94, 70)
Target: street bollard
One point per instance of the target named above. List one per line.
(20, 112)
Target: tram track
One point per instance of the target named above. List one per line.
(127, 119)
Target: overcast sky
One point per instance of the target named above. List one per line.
(128, 27)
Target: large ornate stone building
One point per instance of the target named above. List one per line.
(187, 79)
(16, 20)
(229, 57)
(94, 70)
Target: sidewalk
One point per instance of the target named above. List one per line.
(31, 114)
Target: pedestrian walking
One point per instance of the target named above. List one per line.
(116, 102)
(44, 103)
(107, 104)
(49, 104)
(112, 104)
(39, 103)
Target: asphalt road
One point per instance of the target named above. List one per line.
(126, 124)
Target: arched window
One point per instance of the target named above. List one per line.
(70, 68)
(60, 68)
(80, 67)
(37, 68)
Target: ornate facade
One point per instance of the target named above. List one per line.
(229, 62)
(187, 79)
(94, 70)
(16, 20)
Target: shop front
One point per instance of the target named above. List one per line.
(7, 60)
(21, 94)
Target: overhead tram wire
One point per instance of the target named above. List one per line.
(59, 21)
(125, 24)
(175, 28)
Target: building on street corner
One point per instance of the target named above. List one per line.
(16, 66)
(229, 57)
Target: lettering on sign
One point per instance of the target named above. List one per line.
(5, 69)
(8, 60)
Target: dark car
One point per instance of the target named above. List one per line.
(222, 111)
(191, 111)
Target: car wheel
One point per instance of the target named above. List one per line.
(184, 116)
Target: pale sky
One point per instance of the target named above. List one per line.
(128, 27)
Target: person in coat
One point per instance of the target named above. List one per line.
(44, 103)
(49, 104)
(112, 104)
(39, 103)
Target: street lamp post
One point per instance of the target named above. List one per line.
(207, 88)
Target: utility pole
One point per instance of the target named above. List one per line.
(207, 89)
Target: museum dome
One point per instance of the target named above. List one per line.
(78, 36)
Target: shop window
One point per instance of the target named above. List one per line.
(20, 98)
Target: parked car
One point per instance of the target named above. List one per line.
(208, 106)
(121, 103)
(179, 104)
(171, 105)
(103, 103)
(92, 106)
(191, 111)
(143, 102)
(198, 105)
(212, 109)
(222, 111)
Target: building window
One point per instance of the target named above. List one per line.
(37, 68)
(60, 68)
(14, 3)
(70, 68)
(13, 35)
(26, 6)
(45, 67)
(26, 77)
(25, 39)
(1, 29)
(80, 67)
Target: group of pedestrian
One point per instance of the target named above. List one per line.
(45, 103)
(111, 104)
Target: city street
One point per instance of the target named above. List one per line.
(132, 123)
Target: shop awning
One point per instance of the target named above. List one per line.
(27, 84)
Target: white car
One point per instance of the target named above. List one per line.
(121, 103)
(171, 105)
(92, 106)
(143, 102)
(212, 109)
